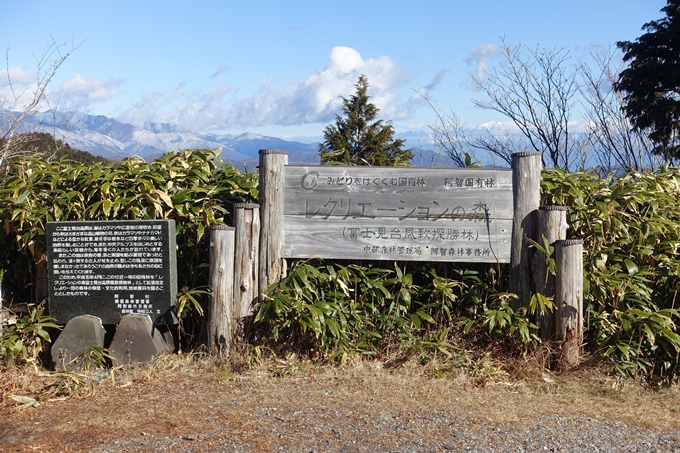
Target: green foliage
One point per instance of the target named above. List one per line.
(501, 319)
(342, 310)
(630, 226)
(189, 299)
(358, 138)
(22, 341)
(193, 187)
(650, 83)
(94, 356)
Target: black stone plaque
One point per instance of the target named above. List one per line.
(111, 268)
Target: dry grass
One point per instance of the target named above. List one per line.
(179, 394)
(590, 389)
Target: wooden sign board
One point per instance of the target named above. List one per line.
(398, 213)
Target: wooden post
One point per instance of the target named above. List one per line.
(41, 287)
(552, 224)
(220, 320)
(272, 264)
(569, 298)
(526, 188)
(246, 268)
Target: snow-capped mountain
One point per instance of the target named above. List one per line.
(109, 138)
(114, 140)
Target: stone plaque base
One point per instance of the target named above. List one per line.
(137, 341)
(79, 334)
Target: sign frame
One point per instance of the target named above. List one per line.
(398, 213)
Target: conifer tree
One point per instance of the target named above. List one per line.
(651, 83)
(357, 138)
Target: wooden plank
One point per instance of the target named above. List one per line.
(408, 240)
(420, 214)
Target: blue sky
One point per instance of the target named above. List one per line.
(278, 68)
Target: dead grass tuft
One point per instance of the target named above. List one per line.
(479, 384)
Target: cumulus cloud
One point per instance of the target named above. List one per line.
(319, 97)
(79, 92)
(17, 87)
(18, 76)
(315, 99)
(480, 57)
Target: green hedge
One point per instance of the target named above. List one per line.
(193, 187)
(630, 225)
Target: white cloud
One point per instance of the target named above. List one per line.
(315, 99)
(76, 93)
(480, 57)
(17, 88)
(318, 97)
(436, 80)
(79, 92)
(221, 70)
(18, 76)
(419, 96)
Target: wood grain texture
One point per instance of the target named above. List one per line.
(552, 224)
(526, 183)
(221, 280)
(246, 265)
(569, 298)
(388, 213)
(272, 264)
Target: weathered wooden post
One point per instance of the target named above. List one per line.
(272, 264)
(246, 267)
(552, 224)
(526, 188)
(220, 320)
(569, 298)
(41, 287)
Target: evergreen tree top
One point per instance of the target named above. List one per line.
(358, 138)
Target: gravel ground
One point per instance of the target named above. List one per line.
(335, 411)
(348, 432)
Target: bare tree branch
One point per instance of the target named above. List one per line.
(23, 104)
(535, 89)
(609, 131)
(447, 135)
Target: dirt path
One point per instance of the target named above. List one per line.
(326, 409)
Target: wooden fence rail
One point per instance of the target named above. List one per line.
(390, 213)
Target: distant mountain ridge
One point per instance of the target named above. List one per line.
(114, 140)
